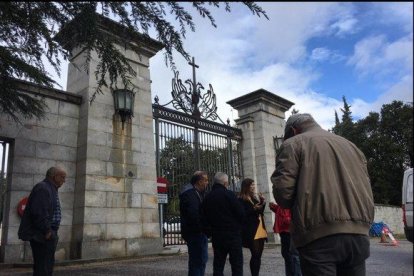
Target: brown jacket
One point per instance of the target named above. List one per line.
(323, 178)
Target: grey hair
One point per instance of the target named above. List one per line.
(298, 120)
(52, 171)
(221, 178)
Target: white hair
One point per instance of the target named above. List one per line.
(221, 178)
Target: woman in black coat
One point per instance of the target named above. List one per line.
(254, 232)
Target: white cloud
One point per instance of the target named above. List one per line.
(246, 53)
(400, 13)
(326, 55)
(375, 55)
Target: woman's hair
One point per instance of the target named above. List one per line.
(245, 192)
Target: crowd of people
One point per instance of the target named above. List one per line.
(323, 211)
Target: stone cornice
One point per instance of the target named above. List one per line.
(119, 32)
(44, 91)
(262, 96)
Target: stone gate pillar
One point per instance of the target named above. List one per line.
(261, 117)
(115, 211)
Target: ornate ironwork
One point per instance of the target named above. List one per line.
(192, 100)
(188, 139)
(162, 112)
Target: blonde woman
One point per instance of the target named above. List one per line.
(253, 230)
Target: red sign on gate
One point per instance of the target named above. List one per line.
(162, 185)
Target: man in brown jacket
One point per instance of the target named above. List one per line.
(323, 179)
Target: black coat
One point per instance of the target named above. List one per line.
(221, 211)
(38, 214)
(190, 201)
(251, 221)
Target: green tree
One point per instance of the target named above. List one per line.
(28, 34)
(345, 127)
(386, 138)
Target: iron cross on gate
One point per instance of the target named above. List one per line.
(195, 97)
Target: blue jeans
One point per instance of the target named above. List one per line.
(197, 254)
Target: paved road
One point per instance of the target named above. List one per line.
(384, 260)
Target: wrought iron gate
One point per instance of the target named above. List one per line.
(187, 141)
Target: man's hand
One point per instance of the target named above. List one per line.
(48, 235)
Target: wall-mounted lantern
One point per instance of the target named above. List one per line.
(124, 104)
(277, 143)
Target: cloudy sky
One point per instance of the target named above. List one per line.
(309, 53)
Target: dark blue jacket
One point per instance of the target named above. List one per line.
(222, 211)
(190, 201)
(38, 214)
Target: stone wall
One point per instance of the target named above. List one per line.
(38, 145)
(390, 215)
(109, 202)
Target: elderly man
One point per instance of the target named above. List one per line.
(197, 242)
(323, 179)
(41, 220)
(222, 214)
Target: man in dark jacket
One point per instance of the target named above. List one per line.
(223, 214)
(41, 220)
(197, 242)
(323, 179)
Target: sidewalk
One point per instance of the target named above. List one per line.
(172, 261)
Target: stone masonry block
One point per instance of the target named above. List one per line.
(95, 199)
(66, 200)
(94, 232)
(67, 215)
(65, 233)
(144, 187)
(68, 123)
(150, 230)
(14, 252)
(50, 121)
(149, 215)
(67, 138)
(115, 231)
(96, 167)
(52, 105)
(99, 123)
(119, 141)
(24, 147)
(144, 246)
(22, 182)
(9, 128)
(68, 109)
(104, 183)
(116, 200)
(12, 237)
(149, 201)
(95, 215)
(133, 215)
(98, 152)
(134, 200)
(146, 173)
(41, 134)
(115, 215)
(103, 249)
(96, 137)
(133, 230)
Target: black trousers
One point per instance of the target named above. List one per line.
(341, 254)
(44, 256)
(227, 244)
